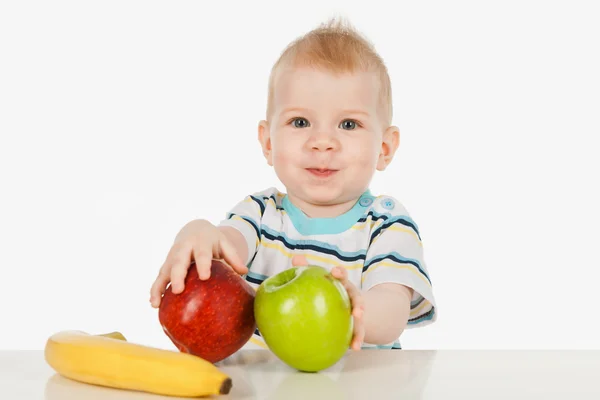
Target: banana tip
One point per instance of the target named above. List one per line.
(225, 386)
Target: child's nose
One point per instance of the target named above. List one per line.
(324, 142)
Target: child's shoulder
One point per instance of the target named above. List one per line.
(384, 204)
(268, 198)
(388, 211)
(268, 192)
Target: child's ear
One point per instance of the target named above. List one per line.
(389, 145)
(264, 137)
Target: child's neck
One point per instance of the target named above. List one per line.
(322, 210)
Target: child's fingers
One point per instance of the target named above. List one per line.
(158, 288)
(172, 266)
(299, 261)
(203, 257)
(178, 274)
(355, 295)
(162, 280)
(359, 335)
(339, 273)
(358, 305)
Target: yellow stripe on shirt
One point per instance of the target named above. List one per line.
(400, 229)
(281, 248)
(417, 311)
(362, 225)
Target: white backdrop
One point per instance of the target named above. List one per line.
(119, 120)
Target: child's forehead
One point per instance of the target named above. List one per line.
(329, 90)
(316, 73)
(307, 82)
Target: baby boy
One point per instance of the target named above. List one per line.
(327, 130)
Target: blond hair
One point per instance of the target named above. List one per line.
(339, 48)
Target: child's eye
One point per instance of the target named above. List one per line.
(348, 125)
(300, 122)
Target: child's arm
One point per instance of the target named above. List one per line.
(395, 284)
(237, 240)
(387, 308)
(380, 314)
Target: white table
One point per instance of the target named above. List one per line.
(368, 374)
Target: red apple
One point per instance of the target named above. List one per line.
(211, 319)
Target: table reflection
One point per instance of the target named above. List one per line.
(259, 374)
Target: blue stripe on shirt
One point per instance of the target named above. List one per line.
(425, 317)
(406, 221)
(375, 216)
(396, 258)
(260, 203)
(415, 304)
(256, 277)
(314, 245)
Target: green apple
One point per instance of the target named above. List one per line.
(305, 317)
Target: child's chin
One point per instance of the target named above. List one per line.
(324, 196)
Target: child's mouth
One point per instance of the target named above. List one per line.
(321, 172)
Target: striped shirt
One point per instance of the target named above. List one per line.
(376, 241)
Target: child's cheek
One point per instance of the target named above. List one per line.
(282, 158)
(284, 151)
(364, 154)
(279, 155)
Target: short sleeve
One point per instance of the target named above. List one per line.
(246, 218)
(395, 255)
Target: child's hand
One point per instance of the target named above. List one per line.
(357, 306)
(200, 241)
(356, 299)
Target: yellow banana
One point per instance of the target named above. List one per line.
(110, 360)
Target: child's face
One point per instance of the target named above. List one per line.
(326, 136)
